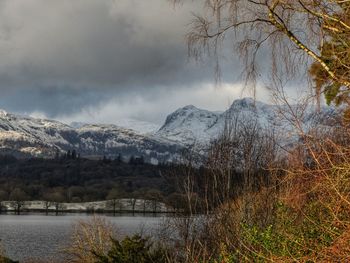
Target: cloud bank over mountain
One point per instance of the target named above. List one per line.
(74, 59)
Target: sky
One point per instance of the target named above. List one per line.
(101, 61)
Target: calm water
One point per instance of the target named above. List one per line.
(42, 237)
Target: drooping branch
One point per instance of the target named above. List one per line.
(308, 25)
(283, 28)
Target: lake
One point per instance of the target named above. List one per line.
(37, 236)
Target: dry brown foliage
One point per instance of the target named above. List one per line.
(2, 254)
(235, 187)
(88, 237)
(306, 200)
(339, 251)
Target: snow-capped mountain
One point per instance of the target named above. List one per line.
(192, 126)
(187, 126)
(26, 136)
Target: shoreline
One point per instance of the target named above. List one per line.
(131, 206)
(75, 212)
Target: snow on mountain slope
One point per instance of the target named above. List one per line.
(26, 136)
(192, 126)
(29, 135)
(188, 126)
(111, 140)
(141, 127)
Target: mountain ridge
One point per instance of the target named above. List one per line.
(188, 126)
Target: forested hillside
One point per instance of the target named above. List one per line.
(81, 180)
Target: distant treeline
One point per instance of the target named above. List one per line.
(69, 178)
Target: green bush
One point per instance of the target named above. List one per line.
(292, 235)
(135, 249)
(6, 260)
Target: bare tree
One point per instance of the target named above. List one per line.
(292, 31)
(3, 197)
(54, 198)
(114, 200)
(18, 197)
(235, 185)
(47, 205)
(132, 200)
(239, 160)
(90, 237)
(155, 197)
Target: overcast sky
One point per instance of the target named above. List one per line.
(104, 60)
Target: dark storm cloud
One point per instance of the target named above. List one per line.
(59, 57)
(82, 42)
(86, 42)
(51, 101)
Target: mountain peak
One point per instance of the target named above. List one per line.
(188, 107)
(184, 115)
(3, 113)
(244, 103)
